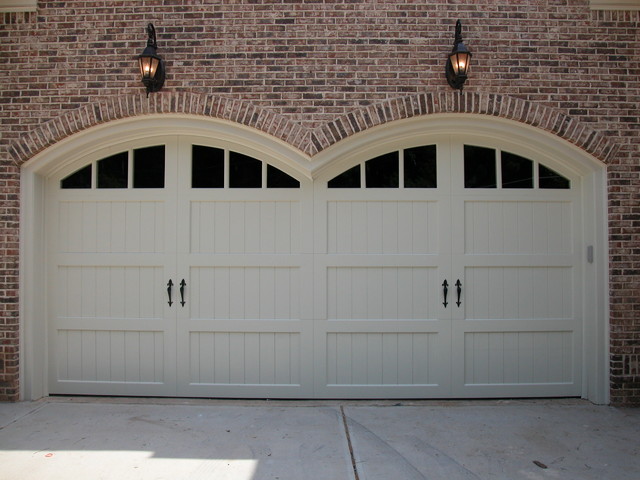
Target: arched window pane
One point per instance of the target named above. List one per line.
(382, 171)
(148, 167)
(348, 179)
(113, 171)
(420, 167)
(517, 171)
(276, 178)
(207, 167)
(78, 179)
(552, 180)
(479, 167)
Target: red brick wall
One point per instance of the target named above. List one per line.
(315, 71)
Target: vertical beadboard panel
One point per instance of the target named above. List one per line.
(518, 227)
(111, 227)
(110, 356)
(110, 292)
(494, 358)
(244, 227)
(389, 227)
(268, 293)
(256, 358)
(377, 292)
(380, 358)
(519, 293)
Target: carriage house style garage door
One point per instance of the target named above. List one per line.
(180, 268)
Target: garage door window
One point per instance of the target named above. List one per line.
(208, 170)
(409, 168)
(148, 167)
(78, 179)
(481, 171)
(552, 180)
(113, 171)
(207, 167)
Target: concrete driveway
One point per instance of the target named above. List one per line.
(101, 438)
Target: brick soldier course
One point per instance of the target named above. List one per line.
(314, 72)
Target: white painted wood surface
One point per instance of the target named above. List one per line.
(315, 292)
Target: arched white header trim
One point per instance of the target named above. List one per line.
(519, 138)
(109, 136)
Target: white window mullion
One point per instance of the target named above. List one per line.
(227, 168)
(401, 169)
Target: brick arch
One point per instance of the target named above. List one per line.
(314, 141)
(212, 106)
(545, 118)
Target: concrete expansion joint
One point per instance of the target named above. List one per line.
(348, 437)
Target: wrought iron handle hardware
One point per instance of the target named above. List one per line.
(459, 290)
(182, 285)
(445, 289)
(169, 285)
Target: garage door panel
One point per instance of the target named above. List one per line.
(376, 227)
(106, 291)
(262, 292)
(252, 358)
(111, 227)
(519, 293)
(518, 227)
(264, 227)
(519, 357)
(383, 293)
(110, 356)
(377, 358)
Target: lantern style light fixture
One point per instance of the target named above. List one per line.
(458, 61)
(151, 65)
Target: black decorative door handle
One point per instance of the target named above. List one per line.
(169, 285)
(445, 290)
(459, 290)
(182, 285)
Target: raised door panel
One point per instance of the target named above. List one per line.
(112, 253)
(518, 331)
(381, 329)
(244, 330)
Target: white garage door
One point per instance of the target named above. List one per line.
(181, 268)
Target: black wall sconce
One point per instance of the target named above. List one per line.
(458, 61)
(151, 65)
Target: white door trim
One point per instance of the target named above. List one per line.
(556, 153)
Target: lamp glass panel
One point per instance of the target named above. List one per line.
(154, 66)
(460, 62)
(145, 68)
(148, 66)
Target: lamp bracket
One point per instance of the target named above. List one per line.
(151, 32)
(458, 37)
